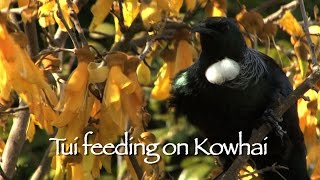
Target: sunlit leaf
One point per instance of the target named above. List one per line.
(150, 13)
(130, 11)
(99, 14)
(289, 23)
(143, 72)
(175, 6)
(190, 4)
(4, 4)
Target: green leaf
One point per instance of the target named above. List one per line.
(196, 172)
(192, 160)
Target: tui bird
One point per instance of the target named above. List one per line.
(229, 88)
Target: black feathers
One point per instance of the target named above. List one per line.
(237, 101)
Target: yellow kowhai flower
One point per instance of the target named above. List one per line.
(19, 73)
(57, 161)
(48, 13)
(143, 71)
(173, 64)
(76, 106)
(161, 90)
(117, 82)
(151, 171)
(133, 103)
(216, 8)
(123, 100)
(75, 91)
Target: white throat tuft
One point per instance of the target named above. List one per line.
(224, 70)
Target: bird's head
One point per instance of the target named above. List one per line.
(220, 37)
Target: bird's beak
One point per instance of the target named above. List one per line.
(198, 28)
(202, 29)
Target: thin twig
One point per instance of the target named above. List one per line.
(166, 32)
(138, 170)
(75, 20)
(60, 36)
(267, 4)
(278, 14)
(147, 49)
(14, 110)
(70, 32)
(306, 30)
(3, 175)
(50, 39)
(50, 50)
(96, 50)
(14, 10)
(44, 166)
(190, 14)
(124, 44)
(123, 27)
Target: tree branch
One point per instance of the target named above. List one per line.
(124, 44)
(50, 50)
(133, 160)
(14, 10)
(306, 30)
(15, 142)
(273, 168)
(75, 20)
(71, 34)
(60, 37)
(30, 30)
(278, 14)
(267, 4)
(44, 165)
(14, 110)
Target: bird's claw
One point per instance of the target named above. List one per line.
(270, 117)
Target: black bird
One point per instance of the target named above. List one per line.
(229, 88)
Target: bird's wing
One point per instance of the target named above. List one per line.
(277, 77)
